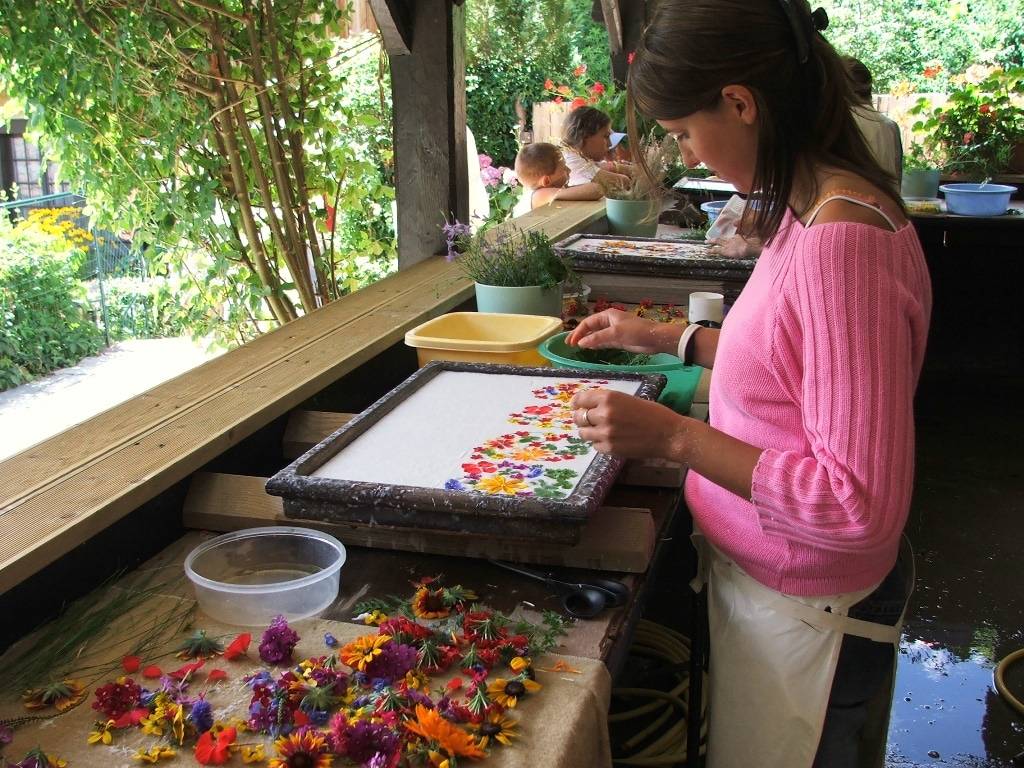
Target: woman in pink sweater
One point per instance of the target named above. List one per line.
(801, 482)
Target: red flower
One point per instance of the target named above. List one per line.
(578, 102)
(549, 85)
(580, 71)
(630, 56)
(238, 646)
(559, 99)
(152, 672)
(597, 87)
(209, 752)
(968, 137)
(131, 664)
(130, 718)
(985, 109)
(215, 675)
(932, 71)
(185, 671)
(453, 685)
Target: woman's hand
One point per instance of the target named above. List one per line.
(615, 329)
(736, 247)
(627, 426)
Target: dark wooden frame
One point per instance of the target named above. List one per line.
(334, 500)
(705, 268)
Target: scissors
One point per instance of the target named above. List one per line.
(582, 600)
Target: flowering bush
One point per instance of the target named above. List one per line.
(507, 258)
(502, 188)
(976, 130)
(580, 93)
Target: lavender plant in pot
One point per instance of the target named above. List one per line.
(515, 272)
(634, 209)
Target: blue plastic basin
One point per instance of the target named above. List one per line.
(977, 199)
(713, 208)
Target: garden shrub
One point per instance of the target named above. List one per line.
(44, 319)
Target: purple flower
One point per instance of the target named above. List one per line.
(278, 642)
(330, 640)
(380, 760)
(536, 471)
(260, 678)
(485, 161)
(201, 715)
(393, 662)
(362, 741)
(452, 234)
(454, 485)
(6, 736)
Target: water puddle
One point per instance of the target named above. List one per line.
(946, 710)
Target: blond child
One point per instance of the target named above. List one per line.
(542, 171)
(586, 145)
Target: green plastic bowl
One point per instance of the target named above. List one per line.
(678, 391)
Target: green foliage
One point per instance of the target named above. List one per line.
(899, 39)
(975, 131)
(512, 47)
(44, 320)
(227, 126)
(150, 309)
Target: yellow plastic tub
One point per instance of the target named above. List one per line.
(483, 337)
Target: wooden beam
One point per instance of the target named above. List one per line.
(632, 16)
(613, 23)
(614, 539)
(429, 102)
(392, 17)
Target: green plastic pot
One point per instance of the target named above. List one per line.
(920, 182)
(637, 218)
(681, 379)
(527, 300)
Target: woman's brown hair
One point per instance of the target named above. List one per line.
(691, 50)
(581, 124)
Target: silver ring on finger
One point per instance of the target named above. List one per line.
(586, 417)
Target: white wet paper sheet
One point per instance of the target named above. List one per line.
(428, 439)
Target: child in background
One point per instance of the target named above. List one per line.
(586, 135)
(544, 175)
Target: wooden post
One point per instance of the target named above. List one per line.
(624, 30)
(429, 90)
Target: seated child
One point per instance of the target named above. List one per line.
(544, 175)
(586, 134)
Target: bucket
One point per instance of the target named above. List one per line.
(519, 300)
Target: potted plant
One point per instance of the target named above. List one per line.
(981, 124)
(920, 173)
(634, 208)
(515, 272)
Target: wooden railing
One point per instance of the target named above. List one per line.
(57, 494)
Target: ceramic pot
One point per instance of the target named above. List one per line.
(525, 300)
(638, 218)
(920, 182)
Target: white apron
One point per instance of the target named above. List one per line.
(772, 661)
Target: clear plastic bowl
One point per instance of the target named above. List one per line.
(251, 576)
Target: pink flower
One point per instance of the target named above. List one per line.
(580, 71)
(630, 56)
(508, 176)
(597, 87)
(968, 137)
(485, 161)
(559, 99)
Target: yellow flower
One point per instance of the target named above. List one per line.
(499, 484)
(102, 734)
(429, 604)
(363, 650)
(178, 723)
(508, 692)
(519, 663)
(375, 618)
(254, 754)
(62, 696)
(302, 748)
(154, 754)
(416, 680)
(153, 725)
(529, 454)
(499, 727)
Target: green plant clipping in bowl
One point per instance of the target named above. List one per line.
(612, 357)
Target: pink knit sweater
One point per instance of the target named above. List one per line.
(817, 364)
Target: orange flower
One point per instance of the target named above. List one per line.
(549, 85)
(363, 650)
(932, 71)
(431, 727)
(579, 101)
(564, 90)
(580, 71)
(62, 696)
